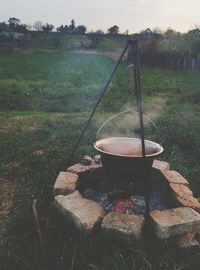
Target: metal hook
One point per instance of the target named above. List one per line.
(131, 66)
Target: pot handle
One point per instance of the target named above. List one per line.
(116, 115)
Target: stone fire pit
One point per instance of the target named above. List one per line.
(85, 196)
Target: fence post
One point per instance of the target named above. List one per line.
(178, 63)
(184, 63)
(193, 64)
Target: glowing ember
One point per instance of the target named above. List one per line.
(124, 206)
(118, 202)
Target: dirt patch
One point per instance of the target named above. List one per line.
(112, 55)
(7, 129)
(87, 52)
(27, 129)
(21, 117)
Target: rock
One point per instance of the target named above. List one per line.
(187, 243)
(65, 183)
(175, 221)
(85, 214)
(180, 190)
(193, 244)
(189, 201)
(122, 227)
(185, 239)
(184, 196)
(86, 161)
(82, 169)
(97, 159)
(160, 165)
(174, 177)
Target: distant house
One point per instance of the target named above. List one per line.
(80, 30)
(114, 30)
(147, 34)
(195, 33)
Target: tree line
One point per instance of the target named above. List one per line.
(14, 24)
(153, 41)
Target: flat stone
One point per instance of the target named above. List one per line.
(82, 169)
(85, 214)
(160, 165)
(122, 227)
(65, 183)
(175, 221)
(174, 177)
(180, 190)
(86, 160)
(184, 196)
(189, 201)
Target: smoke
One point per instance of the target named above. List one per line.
(124, 124)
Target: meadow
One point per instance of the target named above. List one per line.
(45, 99)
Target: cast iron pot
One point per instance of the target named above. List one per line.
(122, 157)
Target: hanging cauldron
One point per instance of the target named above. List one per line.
(122, 156)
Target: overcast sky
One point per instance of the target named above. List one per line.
(133, 15)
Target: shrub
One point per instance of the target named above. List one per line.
(107, 45)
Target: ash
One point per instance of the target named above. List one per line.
(117, 201)
(129, 198)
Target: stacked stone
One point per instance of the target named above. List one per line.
(182, 222)
(84, 213)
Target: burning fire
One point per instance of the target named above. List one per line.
(118, 201)
(124, 206)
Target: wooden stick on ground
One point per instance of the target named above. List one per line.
(41, 239)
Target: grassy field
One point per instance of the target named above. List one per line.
(45, 99)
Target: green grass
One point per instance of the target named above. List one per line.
(45, 99)
(60, 82)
